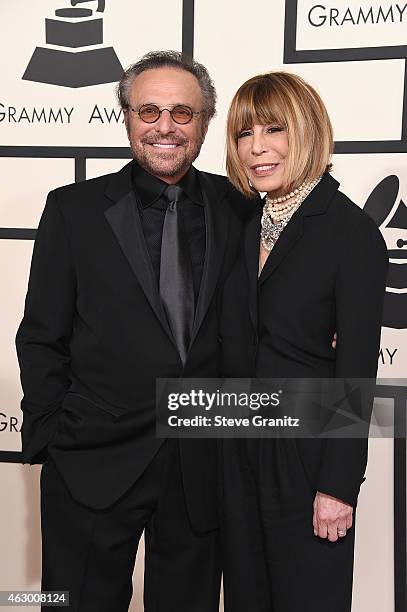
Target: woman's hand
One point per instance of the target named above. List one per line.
(332, 517)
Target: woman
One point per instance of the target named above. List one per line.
(315, 264)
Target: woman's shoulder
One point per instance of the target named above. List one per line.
(348, 212)
(355, 223)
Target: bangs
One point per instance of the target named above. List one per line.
(257, 102)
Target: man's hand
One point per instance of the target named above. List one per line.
(332, 517)
(334, 341)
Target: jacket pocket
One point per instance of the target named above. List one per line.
(105, 408)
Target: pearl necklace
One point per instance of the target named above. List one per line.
(277, 212)
(278, 209)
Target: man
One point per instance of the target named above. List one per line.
(124, 288)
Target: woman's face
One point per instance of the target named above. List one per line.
(263, 149)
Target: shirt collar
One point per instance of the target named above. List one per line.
(150, 188)
(190, 184)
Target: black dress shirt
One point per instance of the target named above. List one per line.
(152, 208)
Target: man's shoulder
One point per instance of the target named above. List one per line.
(90, 190)
(72, 191)
(241, 206)
(215, 176)
(218, 181)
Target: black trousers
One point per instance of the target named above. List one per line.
(273, 562)
(91, 553)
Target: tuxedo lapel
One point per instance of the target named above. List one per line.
(289, 236)
(216, 240)
(316, 204)
(124, 219)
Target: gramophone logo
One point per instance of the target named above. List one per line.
(76, 57)
(389, 211)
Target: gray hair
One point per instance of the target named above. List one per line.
(172, 59)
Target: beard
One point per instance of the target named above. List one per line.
(166, 163)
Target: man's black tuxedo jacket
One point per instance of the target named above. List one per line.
(326, 274)
(94, 338)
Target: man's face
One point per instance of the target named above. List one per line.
(165, 148)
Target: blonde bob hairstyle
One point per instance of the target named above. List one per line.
(287, 100)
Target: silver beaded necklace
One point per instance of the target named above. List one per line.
(278, 211)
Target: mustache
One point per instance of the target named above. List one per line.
(168, 140)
